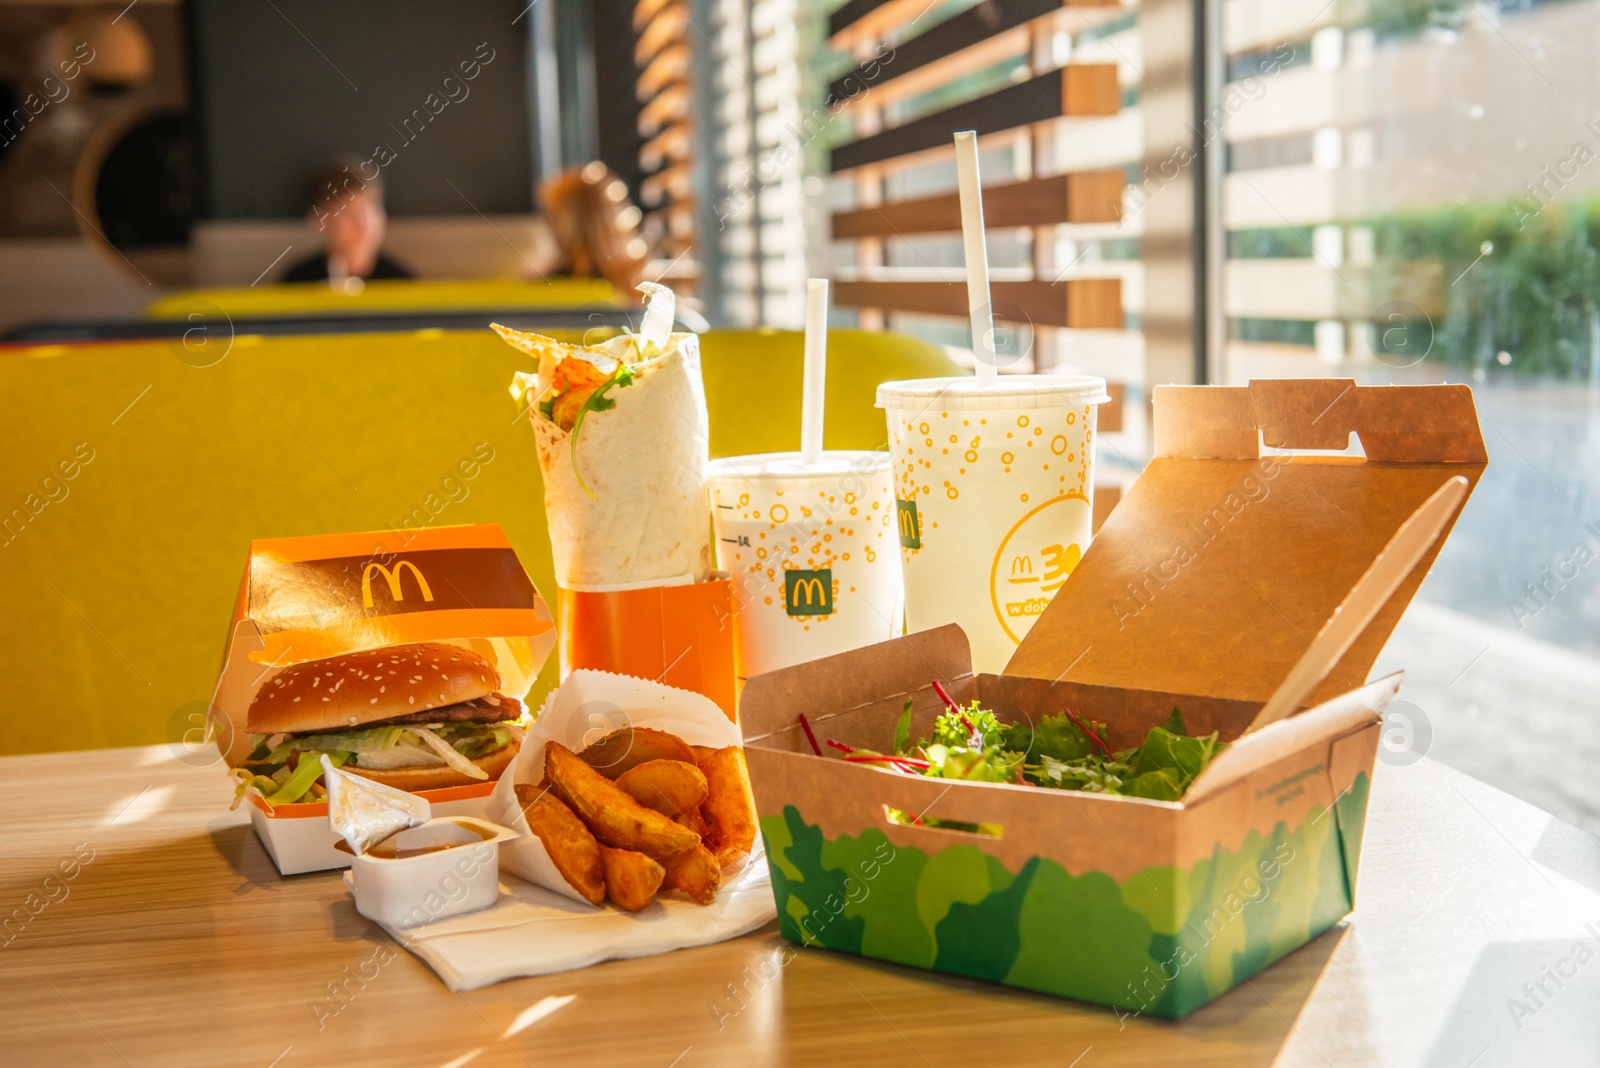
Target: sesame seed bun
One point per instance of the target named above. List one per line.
(437, 777)
(344, 692)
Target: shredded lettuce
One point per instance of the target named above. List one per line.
(364, 741)
(249, 780)
(299, 782)
(477, 739)
(267, 769)
(660, 308)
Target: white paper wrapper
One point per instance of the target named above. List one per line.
(532, 931)
(585, 708)
(645, 461)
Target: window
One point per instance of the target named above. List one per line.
(1411, 195)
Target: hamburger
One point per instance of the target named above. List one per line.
(417, 717)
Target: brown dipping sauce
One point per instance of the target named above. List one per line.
(387, 850)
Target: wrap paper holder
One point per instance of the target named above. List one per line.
(677, 635)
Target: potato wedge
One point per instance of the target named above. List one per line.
(629, 747)
(632, 879)
(695, 822)
(616, 819)
(729, 808)
(671, 787)
(572, 848)
(694, 873)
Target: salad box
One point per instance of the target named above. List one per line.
(1202, 591)
(312, 598)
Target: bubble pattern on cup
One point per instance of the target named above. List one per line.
(1019, 444)
(764, 533)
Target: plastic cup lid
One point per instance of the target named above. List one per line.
(791, 467)
(1012, 391)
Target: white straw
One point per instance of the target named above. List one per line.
(815, 381)
(977, 256)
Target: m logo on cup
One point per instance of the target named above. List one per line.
(808, 593)
(910, 525)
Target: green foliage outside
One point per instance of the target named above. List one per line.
(1397, 18)
(1514, 282)
(1273, 331)
(1508, 278)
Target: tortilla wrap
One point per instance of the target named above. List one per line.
(643, 460)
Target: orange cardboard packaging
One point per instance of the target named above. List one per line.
(677, 635)
(311, 598)
(1233, 583)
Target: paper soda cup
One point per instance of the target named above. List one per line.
(811, 550)
(994, 499)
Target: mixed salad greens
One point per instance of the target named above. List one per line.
(1061, 752)
(286, 768)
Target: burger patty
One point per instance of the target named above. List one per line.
(495, 708)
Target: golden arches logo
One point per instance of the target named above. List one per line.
(396, 593)
(808, 593)
(910, 523)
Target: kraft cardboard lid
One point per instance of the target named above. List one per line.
(1220, 565)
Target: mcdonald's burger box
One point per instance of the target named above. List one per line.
(1204, 588)
(323, 598)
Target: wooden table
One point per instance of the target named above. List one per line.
(179, 944)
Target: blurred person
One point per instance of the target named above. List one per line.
(348, 211)
(595, 226)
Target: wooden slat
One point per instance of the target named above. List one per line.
(671, 144)
(670, 66)
(1090, 89)
(858, 20)
(669, 26)
(1109, 419)
(1079, 303)
(645, 10)
(669, 184)
(957, 34)
(1086, 197)
(681, 219)
(1080, 89)
(1096, 196)
(884, 84)
(943, 153)
(669, 105)
(1106, 497)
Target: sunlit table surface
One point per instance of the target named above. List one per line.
(175, 942)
